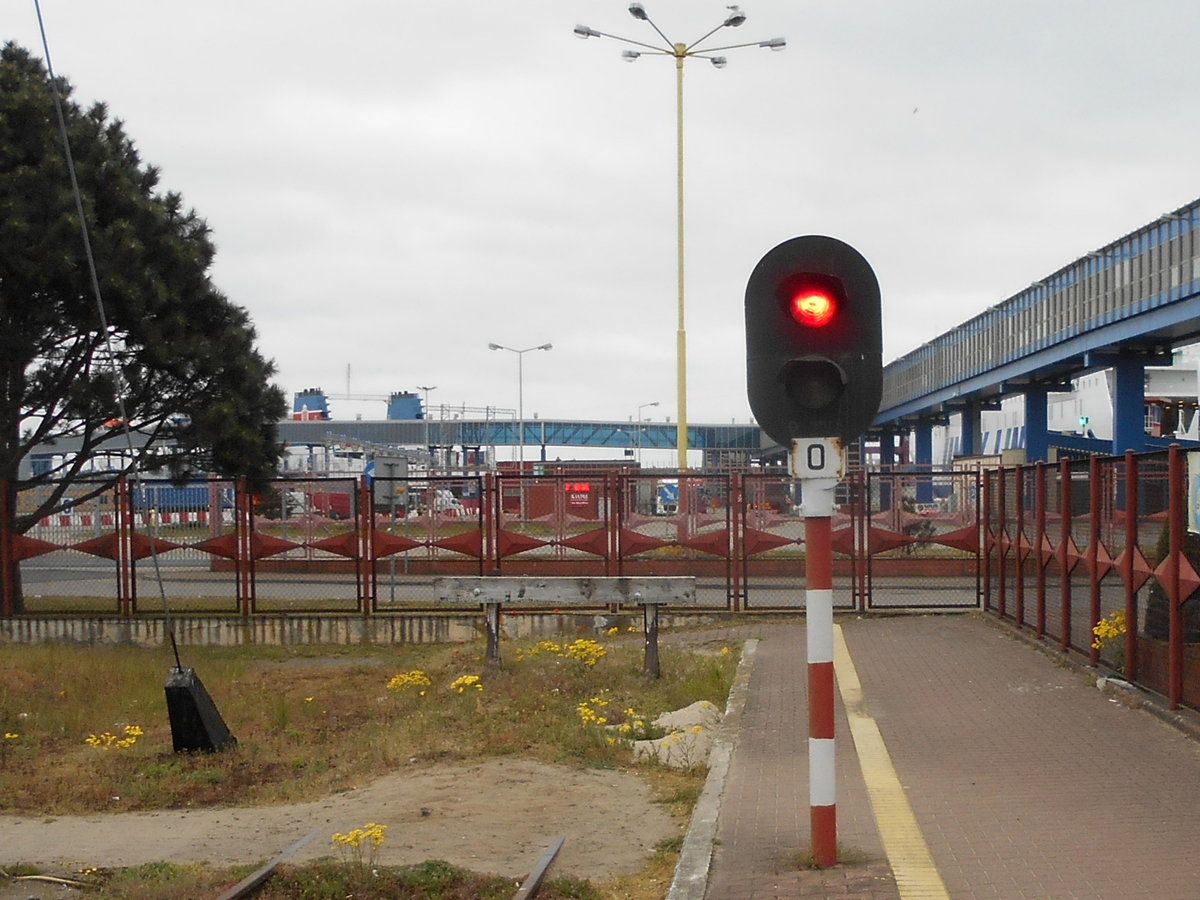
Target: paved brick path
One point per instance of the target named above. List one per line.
(1026, 781)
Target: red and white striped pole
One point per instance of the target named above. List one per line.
(818, 463)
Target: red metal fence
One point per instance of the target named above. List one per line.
(1054, 549)
(353, 545)
(1096, 557)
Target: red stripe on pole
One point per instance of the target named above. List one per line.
(820, 700)
(824, 835)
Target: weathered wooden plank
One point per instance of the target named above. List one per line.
(665, 590)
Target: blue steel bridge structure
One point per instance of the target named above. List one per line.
(1125, 306)
(719, 443)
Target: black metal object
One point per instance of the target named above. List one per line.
(195, 722)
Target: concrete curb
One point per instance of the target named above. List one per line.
(695, 857)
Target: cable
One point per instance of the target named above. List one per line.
(132, 468)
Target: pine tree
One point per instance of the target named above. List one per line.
(196, 393)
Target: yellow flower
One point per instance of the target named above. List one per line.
(1108, 628)
(463, 682)
(415, 679)
(108, 740)
(724, 651)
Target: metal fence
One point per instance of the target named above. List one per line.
(1096, 557)
(374, 546)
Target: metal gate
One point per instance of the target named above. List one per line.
(919, 539)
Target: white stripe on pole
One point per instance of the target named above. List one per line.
(822, 772)
(818, 615)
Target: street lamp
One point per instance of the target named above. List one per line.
(680, 52)
(641, 406)
(520, 394)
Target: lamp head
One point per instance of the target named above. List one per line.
(637, 11)
(735, 18)
(584, 32)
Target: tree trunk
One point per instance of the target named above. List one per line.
(12, 600)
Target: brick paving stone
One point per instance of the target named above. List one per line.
(1026, 780)
(763, 829)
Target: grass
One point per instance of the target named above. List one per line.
(321, 880)
(314, 720)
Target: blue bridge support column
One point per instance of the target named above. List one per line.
(1129, 404)
(1037, 445)
(887, 461)
(923, 438)
(970, 429)
(887, 448)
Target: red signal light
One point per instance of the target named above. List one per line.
(813, 307)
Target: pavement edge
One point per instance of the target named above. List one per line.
(695, 856)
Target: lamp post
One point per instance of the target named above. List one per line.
(680, 52)
(426, 388)
(520, 394)
(641, 406)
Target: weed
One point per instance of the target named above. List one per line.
(846, 856)
(315, 720)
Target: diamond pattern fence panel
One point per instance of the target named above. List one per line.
(1114, 562)
(920, 539)
(679, 526)
(415, 529)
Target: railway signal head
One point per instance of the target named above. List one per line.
(814, 344)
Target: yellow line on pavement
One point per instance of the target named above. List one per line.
(916, 875)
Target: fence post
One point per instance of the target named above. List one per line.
(244, 528)
(1001, 549)
(614, 486)
(1093, 553)
(365, 523)
(1039, 541)
(737, 524)
(988, 542)
(1064, 544)
(487, 520)
(1131, 539)
(1176, 491)
(865, 509)
(1020, 544)
(126, 525)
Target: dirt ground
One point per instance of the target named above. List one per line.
(496, 817)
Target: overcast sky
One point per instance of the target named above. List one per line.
(393, 185)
